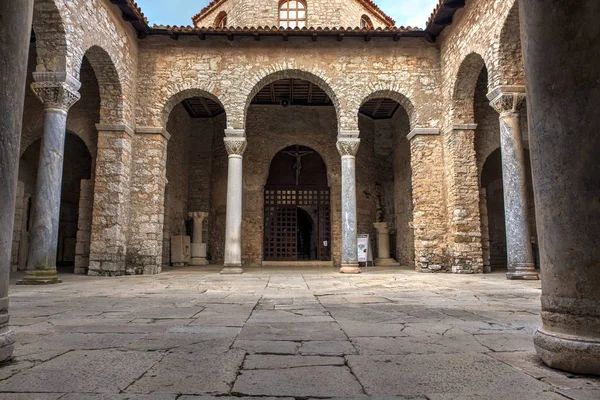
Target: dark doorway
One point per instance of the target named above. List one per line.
(297, 207)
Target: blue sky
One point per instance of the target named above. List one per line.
(180, 12)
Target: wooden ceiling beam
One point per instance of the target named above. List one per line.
(378, 106)
(310, 92)
(272, 88)
(292, 91)
(203, 102)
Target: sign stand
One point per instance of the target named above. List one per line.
(365, 253)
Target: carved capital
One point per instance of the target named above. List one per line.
(57, 95)
(507, 99)
(348, 146)
(235, 146)
(198, 215)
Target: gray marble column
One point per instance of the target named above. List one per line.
(15, 30)
(508, 101)
(563, 102)
(58, 92)
(348, 147)
(233, 226)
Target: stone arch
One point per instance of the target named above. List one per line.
(109, 84)
(183, 94)
(398, 97)
(462, 105)
(50, 37)
(314, 78)
(510, 68)
(316, 147)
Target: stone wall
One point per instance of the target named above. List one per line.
(320, 13)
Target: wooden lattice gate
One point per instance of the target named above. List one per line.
(281, 221)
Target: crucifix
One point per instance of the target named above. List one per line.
(298, 164)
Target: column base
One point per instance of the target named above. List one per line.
(350, 269)
(39, 277)
(198, 262)
(80, 271)
(386, 262)
(7, 344)
(232, 271)
(522, 272)
(579, 356)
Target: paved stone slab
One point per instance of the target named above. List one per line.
(96, 371)
(87, 396)
(267, 347)
(440, 374)
(327, 348)
(280, 362)
(292, 331)
(581, 394)
(299, 382)
(194, 373)
(31, 396)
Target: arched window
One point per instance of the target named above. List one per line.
(365, 22)
(292, 14)
(221, 20)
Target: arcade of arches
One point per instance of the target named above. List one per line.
(143, 148)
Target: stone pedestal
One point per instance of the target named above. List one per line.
(198, 247)
(383, 244)
(233, 227)
(508, 101)
(58, 92)
(562, 47)
(348, 147)
(15, 31)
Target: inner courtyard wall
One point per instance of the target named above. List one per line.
(320, 13)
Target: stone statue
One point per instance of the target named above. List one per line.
(298, 164)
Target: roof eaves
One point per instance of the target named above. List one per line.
(442, 16)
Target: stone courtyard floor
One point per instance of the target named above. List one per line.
(301, 334)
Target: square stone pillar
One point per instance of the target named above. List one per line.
(84, 226)
(429, 214)
(462, 185)
(108, 240)
(149, 167)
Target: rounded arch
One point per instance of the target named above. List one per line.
(182, 95)
(109, 84)
(220, 20)
(365, 22)
(50, 37)
(492, 167)
(399, 98)
(291, 74)
(463, 95)
(510, 56)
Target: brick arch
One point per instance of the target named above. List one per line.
(463, 95)
(183, 94)
(112, 101)
(252, 88)
(398, 97)
(51, 43)
(510, 67)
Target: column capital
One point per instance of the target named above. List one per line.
(235, 146)
(56, 90)
(348, 146)
(507, 99)
(198, 215)
(382, 227)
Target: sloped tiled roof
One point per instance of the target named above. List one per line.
(442, 16)
(370, 5)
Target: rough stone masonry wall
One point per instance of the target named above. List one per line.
(218, 193)
(320, 13)
(409, 67)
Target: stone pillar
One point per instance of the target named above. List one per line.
(485, 230)
(147, 212)
(198, 245)
(429, 213)
(15, 31)
(347, 146)
(108, 243)
(58, 92)
(236, 146)
(563, 54)
(84, 226)
(462, 185)
(383, 244)
(509, 101)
